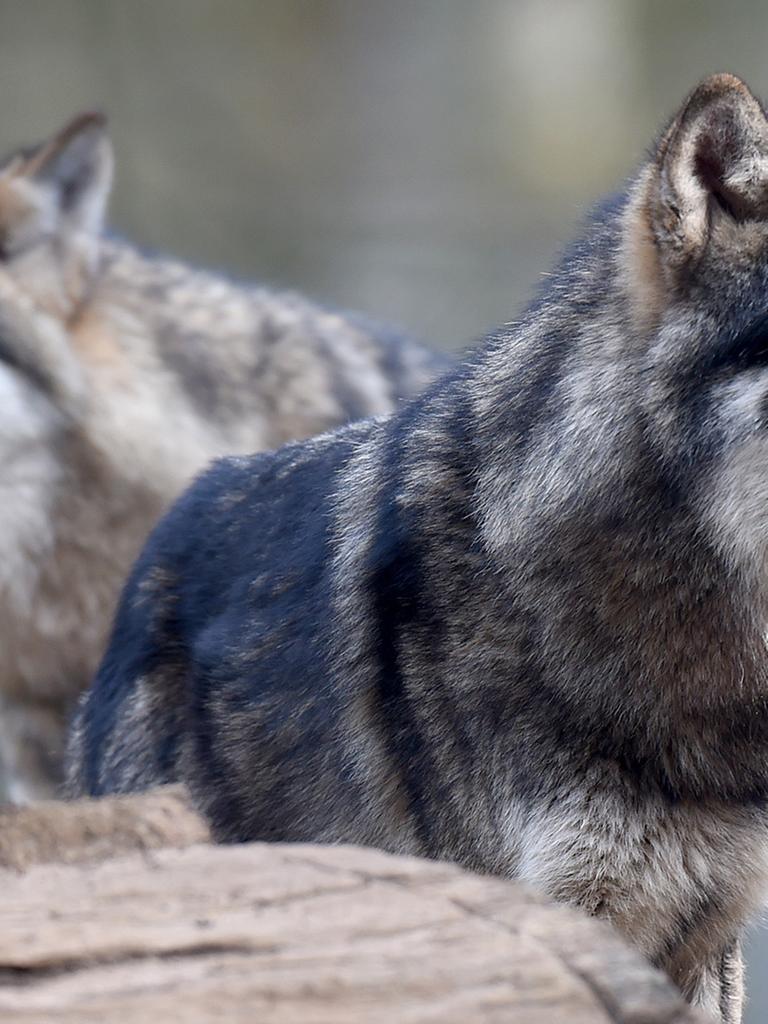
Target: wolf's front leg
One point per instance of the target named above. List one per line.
(31, 750)
(718, 986)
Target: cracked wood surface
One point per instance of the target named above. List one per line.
(281, 934)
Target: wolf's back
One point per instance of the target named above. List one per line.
(236, 572)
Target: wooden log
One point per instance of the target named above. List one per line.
(65, 833)
(282, 934)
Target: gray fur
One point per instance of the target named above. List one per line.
(521, 624)
(121, 376)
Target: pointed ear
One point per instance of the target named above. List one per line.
(711, 169)
(76, 165)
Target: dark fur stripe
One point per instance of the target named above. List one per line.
(399, 601)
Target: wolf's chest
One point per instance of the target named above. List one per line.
(663, 875)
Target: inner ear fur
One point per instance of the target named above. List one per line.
(77, 165)
(713, 158)
(707, 177)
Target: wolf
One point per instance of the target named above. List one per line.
(121, 376)
(521, 623)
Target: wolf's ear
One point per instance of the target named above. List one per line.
(76, 167)
(77, 164)
(711, 168)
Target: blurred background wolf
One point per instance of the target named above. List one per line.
(121, 376)
(420, 160)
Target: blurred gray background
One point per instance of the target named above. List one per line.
(419, 159)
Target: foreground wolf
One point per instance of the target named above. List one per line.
(520, 624)
(120, 377)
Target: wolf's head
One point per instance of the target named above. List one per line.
(647, 356)
(52, 204)
(694, 260)
(53, 199)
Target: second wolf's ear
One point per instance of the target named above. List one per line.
(53, 200)
(711, 169)
(76, 168)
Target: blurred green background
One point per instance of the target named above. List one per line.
(419, 159)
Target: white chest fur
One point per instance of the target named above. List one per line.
(679, 880)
